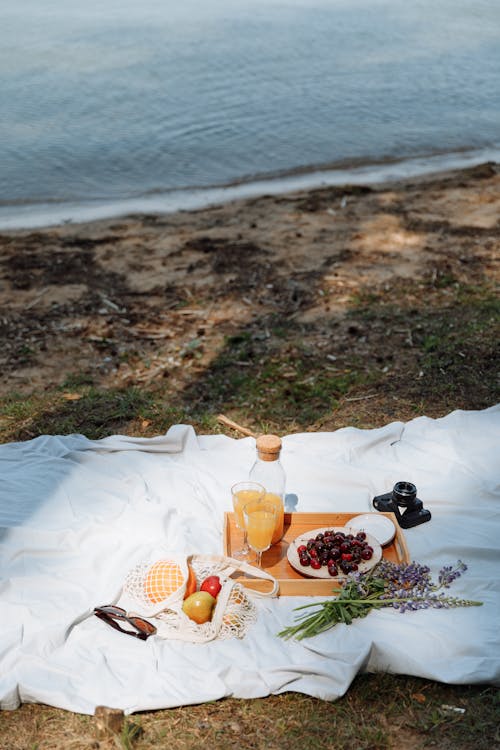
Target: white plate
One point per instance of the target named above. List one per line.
(381, 527)
(363, 566)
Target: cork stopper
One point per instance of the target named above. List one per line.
(268, 447)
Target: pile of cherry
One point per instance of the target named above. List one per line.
(337, 551)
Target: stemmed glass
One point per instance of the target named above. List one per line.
(242, 494)
(260, 520)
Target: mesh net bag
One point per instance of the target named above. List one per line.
(157, 589)
(158, 585)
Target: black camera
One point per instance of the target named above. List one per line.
(404, 496)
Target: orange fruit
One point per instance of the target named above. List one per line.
(164, 578)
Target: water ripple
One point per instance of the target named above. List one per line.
(116, 99)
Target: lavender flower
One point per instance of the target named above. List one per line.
(448, 574)
(406, 587)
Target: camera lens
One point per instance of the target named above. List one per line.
(404, 493)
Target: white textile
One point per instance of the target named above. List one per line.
(76, 515)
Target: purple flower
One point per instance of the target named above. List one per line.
(406, 587)
(448, 573)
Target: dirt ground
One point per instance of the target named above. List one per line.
(342, 283)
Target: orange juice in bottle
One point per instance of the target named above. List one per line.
(277, 501)
(268, 471)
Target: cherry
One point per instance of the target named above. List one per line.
(335, 548)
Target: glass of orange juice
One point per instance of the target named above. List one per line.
(260, 521)
(244, 493)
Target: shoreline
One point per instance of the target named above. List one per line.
(42, 215)
(155, 301)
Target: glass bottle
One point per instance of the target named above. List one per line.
(268, 471)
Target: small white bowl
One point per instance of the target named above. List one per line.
(381, 527)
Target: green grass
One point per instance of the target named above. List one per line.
(424, 360)
(90, 411)
(450, 351)
(276, 386)
(379, 712)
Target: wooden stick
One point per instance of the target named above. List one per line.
(108, 722)
(361, 398)
(235, 426)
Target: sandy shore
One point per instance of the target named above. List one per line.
(132, 300)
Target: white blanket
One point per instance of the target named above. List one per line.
(76, 515)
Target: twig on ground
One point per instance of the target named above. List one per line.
(361, 398)
(235, 426)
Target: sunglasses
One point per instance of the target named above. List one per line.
(114, 615)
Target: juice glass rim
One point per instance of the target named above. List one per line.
(247, 485)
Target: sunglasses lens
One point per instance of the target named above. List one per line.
(111, 614)
(143, 625)
(111, 609)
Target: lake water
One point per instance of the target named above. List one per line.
(108, 106)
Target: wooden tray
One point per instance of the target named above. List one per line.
(275, 562)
